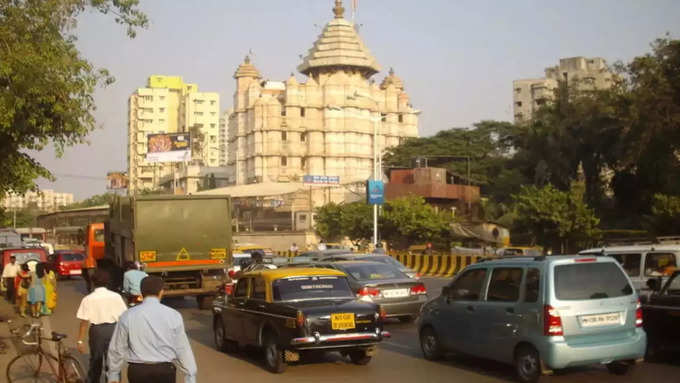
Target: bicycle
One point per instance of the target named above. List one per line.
(28, 366)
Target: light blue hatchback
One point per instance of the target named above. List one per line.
(538, 314)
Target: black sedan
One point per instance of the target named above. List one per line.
(661, 317)
(288, 311)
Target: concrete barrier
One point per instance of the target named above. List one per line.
(436, 265)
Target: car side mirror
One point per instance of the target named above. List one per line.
(654, 284)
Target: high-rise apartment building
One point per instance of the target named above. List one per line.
(45, 199)
(583, 73)
(169, 105)
(223, 137)
(280, 131)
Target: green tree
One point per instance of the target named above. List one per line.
(356, 221)
(327, 222)
(554, 218)
(665, 217)
(25, 217)
(95, 200)
(410, 220)
(46, 86)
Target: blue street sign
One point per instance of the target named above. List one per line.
(375, 192)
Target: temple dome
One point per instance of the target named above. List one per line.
(339, 46)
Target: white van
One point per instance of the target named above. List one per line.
(642, 262)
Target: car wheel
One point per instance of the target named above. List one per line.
(273, 355)
(218, 332)
(652, 354)
(618, 367)
(406, 319)
(429, 344)
(359, 357)
(527, 364)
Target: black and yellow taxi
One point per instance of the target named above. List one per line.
(289, 311)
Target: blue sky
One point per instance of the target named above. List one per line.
(457, 58)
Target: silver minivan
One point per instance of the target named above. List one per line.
(538, 314)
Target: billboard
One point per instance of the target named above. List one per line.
(168, 147)
(116, 180)
(375, 192)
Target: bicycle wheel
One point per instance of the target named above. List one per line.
(72, 371)
(28, 367)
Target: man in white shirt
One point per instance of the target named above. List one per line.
(99, 312)
(9, 273)
(321, 246)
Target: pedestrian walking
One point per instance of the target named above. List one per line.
(294, 248)
(21, 284)
(321, 246)
(9, 274)
(98, 313)
(50, 283)
(150, 337)
(133, 278)
(36, 290)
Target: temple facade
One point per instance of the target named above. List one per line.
(334, 123)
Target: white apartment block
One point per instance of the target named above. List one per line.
(46, 199)
(580, 72)
(168, 105)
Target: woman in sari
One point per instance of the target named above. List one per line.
(22, 282)
(36, 291)
(50, 282)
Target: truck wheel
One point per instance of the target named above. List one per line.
(204, 301)
(273, 355)
(359, 357)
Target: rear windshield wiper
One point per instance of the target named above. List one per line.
(599, 295)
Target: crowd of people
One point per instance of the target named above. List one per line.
(33, 290)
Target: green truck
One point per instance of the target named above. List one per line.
(184, 239)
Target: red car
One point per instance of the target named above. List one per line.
(68, 263)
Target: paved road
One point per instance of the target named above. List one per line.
(399, 359)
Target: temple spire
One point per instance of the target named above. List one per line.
(339, 10)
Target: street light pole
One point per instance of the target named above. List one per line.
(377, 160)
(375, 178)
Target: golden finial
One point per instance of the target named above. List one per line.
(391, 71)
(339, 10)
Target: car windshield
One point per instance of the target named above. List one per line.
(372, 271)
(596, 280)
(72, 257)
(311, 287)
(26, 256)
(383, 259)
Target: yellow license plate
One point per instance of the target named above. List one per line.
(147, 256)
(342, 321)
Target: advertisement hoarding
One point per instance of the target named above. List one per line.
(375, 192)
(168, 147)
(116, 180)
